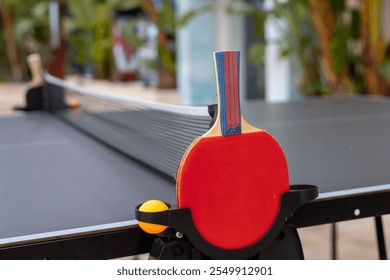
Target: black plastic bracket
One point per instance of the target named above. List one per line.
(286, 246)
(213, 112)
(180, 220)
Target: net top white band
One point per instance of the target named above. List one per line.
(179, 109)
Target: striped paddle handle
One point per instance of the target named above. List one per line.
(227, 77)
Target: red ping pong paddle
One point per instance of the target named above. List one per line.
(233, 176)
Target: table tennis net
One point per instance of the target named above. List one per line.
(153, 133)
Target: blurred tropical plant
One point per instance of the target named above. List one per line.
(23, 30)
(339, 47)
(87, 25)
(352, 47)
(88, 31)
(375, 53)
(298, 37)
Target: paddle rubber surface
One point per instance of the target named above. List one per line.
(233, 186)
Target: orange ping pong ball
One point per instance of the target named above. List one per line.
(152, 206)
(73, 103)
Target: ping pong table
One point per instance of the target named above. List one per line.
(65, 195)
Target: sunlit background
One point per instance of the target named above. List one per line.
(289, 48)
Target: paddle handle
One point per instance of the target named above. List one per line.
(35, 65)
(227, 66)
